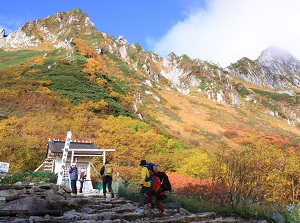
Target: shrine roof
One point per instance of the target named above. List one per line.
(80, 148)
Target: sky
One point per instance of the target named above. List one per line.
(218, 31)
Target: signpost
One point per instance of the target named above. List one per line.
(4, 168)
(3, 171)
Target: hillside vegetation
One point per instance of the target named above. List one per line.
(46, 92)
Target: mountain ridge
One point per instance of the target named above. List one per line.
(193, 78)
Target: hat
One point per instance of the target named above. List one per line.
(143, 163)
(156, 169)
(150, 166)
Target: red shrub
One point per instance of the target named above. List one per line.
(189, 185)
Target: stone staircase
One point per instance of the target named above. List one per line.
(53, 205)
(121, 210)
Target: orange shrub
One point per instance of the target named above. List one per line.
(189, 185)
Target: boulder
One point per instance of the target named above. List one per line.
(28, 203)
(11, 194)
(277, 217)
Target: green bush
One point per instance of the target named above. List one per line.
(124, 67)
(30, 177)
(129, 190)
(252, 211)
(116, 108)
(196, 204)
(17, 58)
(293, 215)
(275, 96)
(242, 90)
(258, 210)
(268, 105)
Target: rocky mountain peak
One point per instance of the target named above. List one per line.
(280, 68)
(275, 54)
(53, 29)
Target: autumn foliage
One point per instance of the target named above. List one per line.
(93, 95)
(190, 185)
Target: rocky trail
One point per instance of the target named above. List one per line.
(53, 204)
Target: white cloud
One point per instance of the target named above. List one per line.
(228, 30)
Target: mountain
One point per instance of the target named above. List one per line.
(53, 31)
(275, 69)
(60, 73)
(271, 81)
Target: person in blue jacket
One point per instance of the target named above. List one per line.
(73, 177)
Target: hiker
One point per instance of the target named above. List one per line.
(73, 177)
(106, 173)
(82, 179)
(145, 186)
(155, 190)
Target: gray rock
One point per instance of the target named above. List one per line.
(28, 203)
(11, 194)
(51, 195)
(277, 217)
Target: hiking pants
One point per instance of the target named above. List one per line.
(142, 195)
(74, 186)
(107, 181)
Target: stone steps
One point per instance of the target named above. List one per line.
(38, 205)
(121, 210)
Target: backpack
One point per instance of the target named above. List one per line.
(108, 170)
(165, 183)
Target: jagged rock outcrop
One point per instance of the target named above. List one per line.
(279, 68)
(2, 33)
(275, 69)
(54, 30)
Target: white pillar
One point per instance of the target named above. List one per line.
(64, 158)
(104, 157)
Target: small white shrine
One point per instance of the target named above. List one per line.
(61, 154)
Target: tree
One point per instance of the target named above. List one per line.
(195, 164)
(256, 170)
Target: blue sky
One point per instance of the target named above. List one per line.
(137, 20)
(220, 31)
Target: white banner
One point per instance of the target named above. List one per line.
(64, 158)
(4, 167)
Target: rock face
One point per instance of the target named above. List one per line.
(279, 68)
(50, 203)
(275, 69)
(51, 29)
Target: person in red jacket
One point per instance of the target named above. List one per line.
(154, 190)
